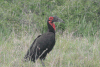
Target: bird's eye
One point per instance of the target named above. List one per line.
(51, 18)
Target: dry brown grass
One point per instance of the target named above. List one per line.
(69, 51)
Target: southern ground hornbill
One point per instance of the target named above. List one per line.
(44, 43)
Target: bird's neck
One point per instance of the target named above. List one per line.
(51, 26)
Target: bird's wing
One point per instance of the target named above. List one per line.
(45, 41)
(44, 45)
(29, 50)
(34, 41)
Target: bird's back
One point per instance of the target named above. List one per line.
(46, 40)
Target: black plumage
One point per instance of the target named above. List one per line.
(44, 43)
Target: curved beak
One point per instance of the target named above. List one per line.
(60, 20)
(57, 19)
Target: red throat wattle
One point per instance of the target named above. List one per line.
(52, 24)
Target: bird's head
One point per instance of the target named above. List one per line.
(55, 19)
(52, 19)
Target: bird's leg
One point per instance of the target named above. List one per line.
(42, 63)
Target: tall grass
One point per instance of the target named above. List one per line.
(69, 51)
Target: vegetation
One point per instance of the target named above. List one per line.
(77, 41)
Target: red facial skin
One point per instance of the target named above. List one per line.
(51, 23)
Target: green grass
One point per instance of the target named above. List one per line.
(80, 16)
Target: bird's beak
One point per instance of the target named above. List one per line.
(60, 20)
(57, 19)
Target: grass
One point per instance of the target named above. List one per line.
(80, 16)
(69, 51)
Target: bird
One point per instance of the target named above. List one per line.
(44, 43)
